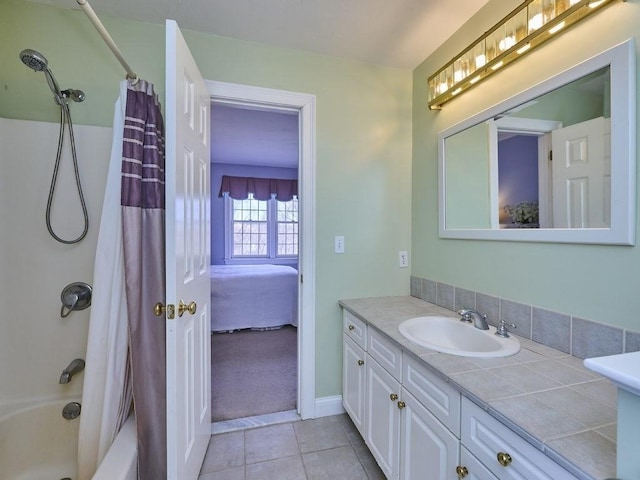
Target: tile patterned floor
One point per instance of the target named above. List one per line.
(328, 448)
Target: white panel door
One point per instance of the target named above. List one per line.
(581, 174)
(187, 257)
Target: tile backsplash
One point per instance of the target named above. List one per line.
(579, 337)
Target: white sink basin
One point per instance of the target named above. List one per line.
(450, 335)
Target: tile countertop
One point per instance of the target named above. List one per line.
(543, 394)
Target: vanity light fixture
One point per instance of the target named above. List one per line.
(520, 32)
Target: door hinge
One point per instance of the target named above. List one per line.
(301, 279)
(551, 155)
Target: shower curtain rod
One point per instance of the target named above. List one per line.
(84, 4)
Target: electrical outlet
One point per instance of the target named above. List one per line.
(339, 245)
(403, 259)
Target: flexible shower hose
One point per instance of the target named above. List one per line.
(65, 121)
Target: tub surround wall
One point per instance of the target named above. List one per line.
(36, 344)
(582, 338)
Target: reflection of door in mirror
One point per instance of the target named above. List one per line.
(581, 178)
(553, 177)
(573, 191)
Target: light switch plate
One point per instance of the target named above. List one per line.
(339, 245)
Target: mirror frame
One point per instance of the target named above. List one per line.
(621, 59)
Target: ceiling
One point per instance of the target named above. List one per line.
(248, 136)
(395, 33)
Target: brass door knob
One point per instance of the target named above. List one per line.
(393, 397)
(401, 404)
(360, 362)
(159, 308)
(462, 471)
(504, 459)
(183, 307)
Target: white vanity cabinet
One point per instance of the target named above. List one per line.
(420, 427)
(406, 407)
(502, 451)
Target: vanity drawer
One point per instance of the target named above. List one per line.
(355, 329)
(487, 438)
(385, 352)
(440, 398)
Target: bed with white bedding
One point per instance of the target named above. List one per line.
(253, 296)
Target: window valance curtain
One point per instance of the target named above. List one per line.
(239, 188)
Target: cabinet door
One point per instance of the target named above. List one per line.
(474, 469)
(383, 418)
(428, 450)
(353, 382)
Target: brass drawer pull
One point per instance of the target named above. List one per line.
(462, 471)
(393, 397)
(504, 459)
(360, 362)
(351, 327)
(401, 404)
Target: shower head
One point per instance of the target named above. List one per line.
(33, 59)
(36, 61)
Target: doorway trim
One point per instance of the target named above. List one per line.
(306, 105)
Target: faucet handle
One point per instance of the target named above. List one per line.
(502, 331)
(465, 315)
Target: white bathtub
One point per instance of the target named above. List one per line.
(37, 443)
(120, 462)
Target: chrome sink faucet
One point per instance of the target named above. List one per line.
(470, 315)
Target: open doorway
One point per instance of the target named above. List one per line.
(307, 404)
(254, 254)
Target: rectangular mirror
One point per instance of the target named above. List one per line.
(555, 163)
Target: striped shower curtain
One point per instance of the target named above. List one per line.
(142, 201)
(126, 342)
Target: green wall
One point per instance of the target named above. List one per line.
(363, 137)
(600, 283)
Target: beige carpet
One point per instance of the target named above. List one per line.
(253, 373)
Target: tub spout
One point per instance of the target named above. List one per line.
(74, 367)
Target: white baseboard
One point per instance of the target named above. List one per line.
(327, 406)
